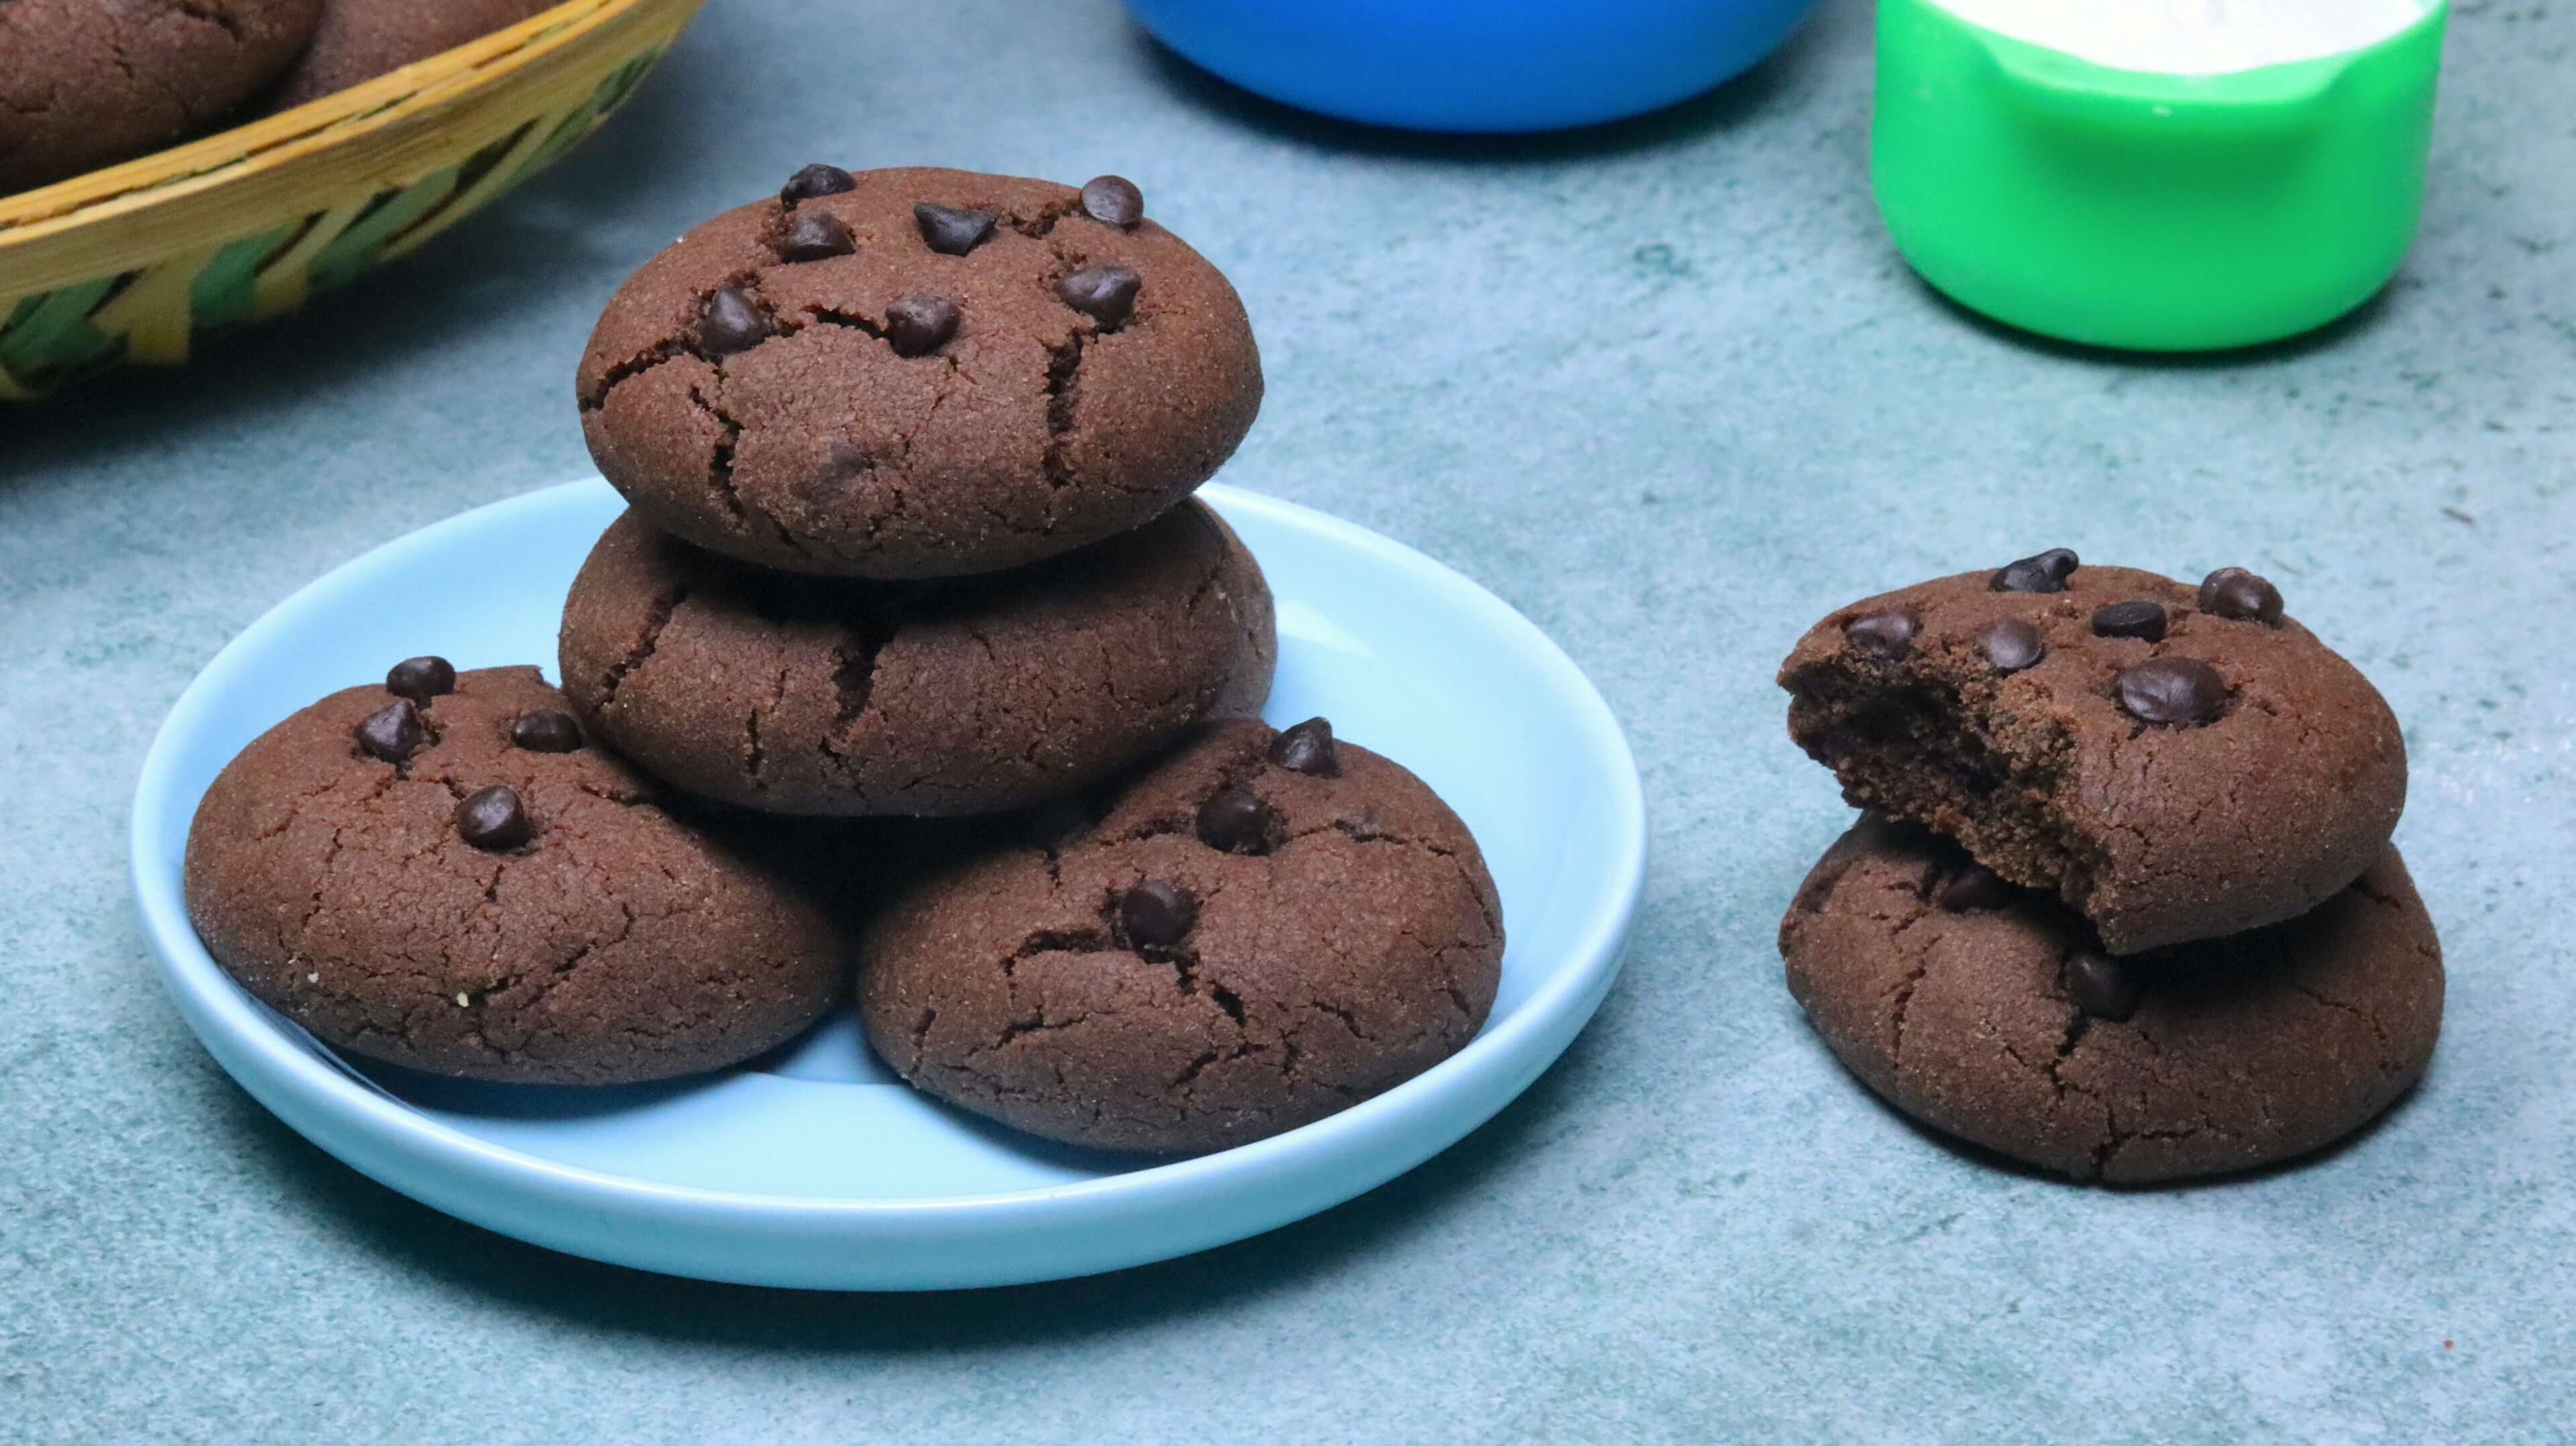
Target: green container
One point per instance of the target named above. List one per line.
(2155, 212)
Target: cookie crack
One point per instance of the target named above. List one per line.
(1199, 1065)
(622, 797)
(2054, 1071)
(720, 479)
(1018, 1029)
(1057, 941)
(834, 316)
(1063, 395)
(751, 751)
(338, 833)
(1039, 226)
(204, 14)
(1349, 1020)
(1904, 998)
(921, 1039)
(2365, 1016)
(644, 361)
(655, 620)
(854, 671)
(2368, 890)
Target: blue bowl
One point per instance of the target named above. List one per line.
(1474, 65)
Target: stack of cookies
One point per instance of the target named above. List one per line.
(909, 457)
(2123, 903)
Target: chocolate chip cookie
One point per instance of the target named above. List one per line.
(359, 40)
(1991, 1013)
(85, 84)
(843, 696)
(2178, 763)
(1256, 932)
(918, 373)
(447, 873)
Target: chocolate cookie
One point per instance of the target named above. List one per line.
(842, 696)
(85, 84)
(918, 373)
(1258, 931)
(2176, 763)
(359, 40)
(445, 873)
(1990, 1013)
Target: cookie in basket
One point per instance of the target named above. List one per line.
(85, 84)
(359, 40)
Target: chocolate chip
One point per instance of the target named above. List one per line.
(1113, 201)
(1157, 915)
(548, 730)
(2011, 644)
(393, 732)
(951, 230)
(816, 180)
(1889, 633)
(1308, 748)
(421, 679)
(2101, 986)
(1106, 294)
(2232, 592)
(2040, 572)
(2172, 690)
(1235, 822)
(730, 322)
(2139, 619)
(1973, 887)
(920, 325)
(493, 818)
(815, 236)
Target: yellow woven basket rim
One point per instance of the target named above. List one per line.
(59, 235)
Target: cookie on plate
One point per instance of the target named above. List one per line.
(918, 373)
(446, 873)
(85, 84)
(359, 40)
(1256, 932)
(843, 696)
(2177, 763)
(1992, 1013)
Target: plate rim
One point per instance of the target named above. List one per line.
(159, 900)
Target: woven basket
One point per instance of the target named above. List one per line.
(129, 263)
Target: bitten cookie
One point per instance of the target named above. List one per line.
(361, 39)
(918, 373)
(840, 696)
(1989, 1012)
(445, 873)
(85, 84)
(1258, 931)
(2176, 764)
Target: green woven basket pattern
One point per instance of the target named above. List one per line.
(59, 336)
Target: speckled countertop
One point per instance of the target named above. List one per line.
(1662, 386)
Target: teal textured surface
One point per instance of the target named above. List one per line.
(1668, 391)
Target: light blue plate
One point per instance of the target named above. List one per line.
(813, 1168)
